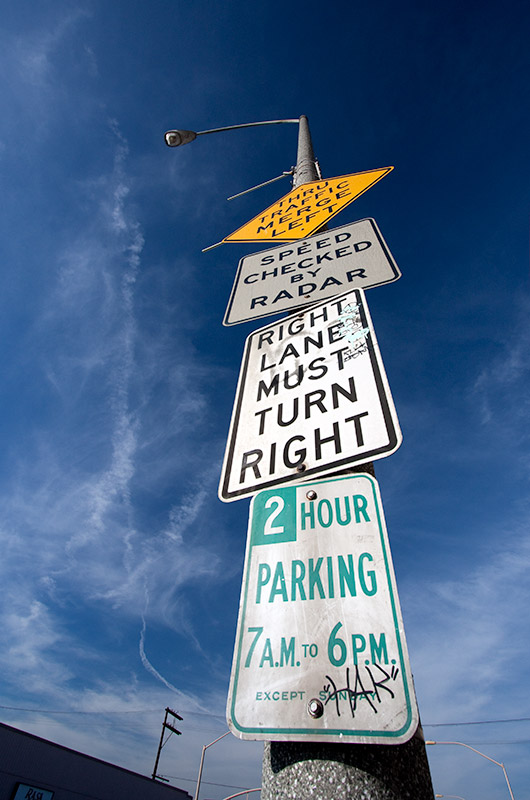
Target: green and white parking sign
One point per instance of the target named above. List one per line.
(320, 649)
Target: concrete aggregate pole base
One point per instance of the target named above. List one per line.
(329, 771)
(325, 771)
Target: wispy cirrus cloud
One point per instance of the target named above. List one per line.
(32, 52)
(469, 630)
(500, 388)
(72, 526)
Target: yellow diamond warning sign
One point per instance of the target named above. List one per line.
(305, 209)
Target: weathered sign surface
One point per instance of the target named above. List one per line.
(354, 256)
(320, 649)
(312, 397)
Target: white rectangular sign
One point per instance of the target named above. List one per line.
(312, 397)
(26, 792)
(308, 271)
(320, 649)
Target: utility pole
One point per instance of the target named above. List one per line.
(171, 728)
(325, 770)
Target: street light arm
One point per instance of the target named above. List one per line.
(204, 749)
(175, 138)
(249, 125)
(463, 744)
(205, 746)
(458, 796)
(499, 764)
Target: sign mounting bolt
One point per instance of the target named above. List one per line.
(301, 468)
(315, 708)
(311, 494)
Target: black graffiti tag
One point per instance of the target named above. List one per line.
(369, 690)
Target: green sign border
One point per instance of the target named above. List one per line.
(369, 733)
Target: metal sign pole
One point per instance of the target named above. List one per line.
(306, 169)
(293, 770)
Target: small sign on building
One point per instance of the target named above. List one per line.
(320, 650)
(26, 792)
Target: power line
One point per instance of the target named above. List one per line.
(220, 717)
(504, 741)
(479, 722)
(134, 711)
(210, 783)
(126, 725)
(62, 711)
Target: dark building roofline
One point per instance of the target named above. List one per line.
(85, 755)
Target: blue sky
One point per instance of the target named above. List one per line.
(120, 567)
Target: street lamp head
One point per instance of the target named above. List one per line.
(176, 138)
